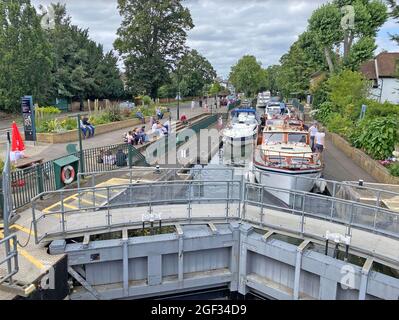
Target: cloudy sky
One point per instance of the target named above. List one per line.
(224, 30)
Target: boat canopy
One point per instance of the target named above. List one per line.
(236, 112)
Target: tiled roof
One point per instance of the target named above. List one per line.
(388, 63)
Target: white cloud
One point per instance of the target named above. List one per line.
(224, 30)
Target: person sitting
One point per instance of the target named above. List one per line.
(140, 116)
(86, 126)
(129, 137)
(159, 114)
(121, 158)
(183, 119)
(160, 129)
(167, 127)
(109, 158)
(137, 137)
(143, 135)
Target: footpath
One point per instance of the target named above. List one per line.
(53, 151)
(338, 166)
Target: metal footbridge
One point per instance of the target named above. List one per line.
(193, 229)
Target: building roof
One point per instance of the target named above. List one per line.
(387, 62)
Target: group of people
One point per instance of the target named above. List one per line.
(160, 130)
(317, 138)
(119, 159)
(137, 136)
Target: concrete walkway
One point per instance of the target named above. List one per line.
(342, 168)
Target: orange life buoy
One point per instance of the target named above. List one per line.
(67, 174)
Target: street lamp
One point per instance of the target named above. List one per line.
(178, 98)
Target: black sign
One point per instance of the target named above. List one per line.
(28, 114)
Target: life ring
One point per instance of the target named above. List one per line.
(67, 174)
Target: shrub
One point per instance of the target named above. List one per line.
(324, 111)
(394, 169)
(347, 87)
(337, 123)
(69, 124)
(147, 100)
(377, 136)
(320, 94)
(376, 109)
(50, 126)
(113, 114)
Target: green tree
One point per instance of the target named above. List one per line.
(25, 56)
(325, 28)
(81, 69)
(194, 72)
(346, 89)
(215, 89)
(394, 14)
(150, 40)
(246, 75)
(330, 32)
(296, 68)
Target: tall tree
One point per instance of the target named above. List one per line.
(350, 24)
(246, 75)
(81, 70)
(394, 14)
(151, 39)
(296, 68)
(25, 58)
(193, 72)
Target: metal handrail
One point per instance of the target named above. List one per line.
(10, 256)
(335, 183)
(242, 199)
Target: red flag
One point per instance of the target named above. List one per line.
(17, 143)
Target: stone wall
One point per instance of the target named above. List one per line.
(373, 167)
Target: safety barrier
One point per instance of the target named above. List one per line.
(10, 259)
(125, 205)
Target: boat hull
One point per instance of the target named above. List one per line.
(286, 179)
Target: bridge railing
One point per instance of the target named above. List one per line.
(350, 214)
(124, 205)
(8, 257)
(89, 209)
(339, 189)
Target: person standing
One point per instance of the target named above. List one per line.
(313, 131)
(320, 139)
(192, 104)
(282, 108)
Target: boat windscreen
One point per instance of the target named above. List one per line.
(297, 138)
(273, 137)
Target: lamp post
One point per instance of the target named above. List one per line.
(178, 98)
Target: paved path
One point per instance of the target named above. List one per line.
(342, 168)
(54, 151)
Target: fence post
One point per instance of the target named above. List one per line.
(39, 179)
(81, 154)
(130, 155)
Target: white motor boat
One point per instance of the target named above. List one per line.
(242, 129)
(284, 159)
